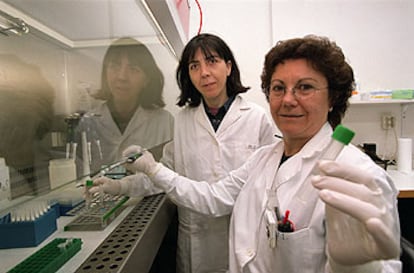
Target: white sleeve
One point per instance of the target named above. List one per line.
(215, 199)
(138, 185)
(168, 155)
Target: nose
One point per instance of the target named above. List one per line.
(204, 69)
(289, 96)
(122, 72)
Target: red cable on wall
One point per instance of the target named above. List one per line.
(201, 16)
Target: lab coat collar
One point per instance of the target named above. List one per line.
(290, 169)
(233, 114)
(140, 116)
(317, 143)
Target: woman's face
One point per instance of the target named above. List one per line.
(298, 116)
(209, 76)
(125, 80)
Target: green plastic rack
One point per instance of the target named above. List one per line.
(49, 258)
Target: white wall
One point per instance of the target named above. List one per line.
(376, 36)
(245, 26)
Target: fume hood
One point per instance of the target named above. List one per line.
(51, 60)
(79, 23)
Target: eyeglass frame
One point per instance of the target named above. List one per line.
(294, 91)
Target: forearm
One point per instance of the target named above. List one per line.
(200, 196)
(138, 185)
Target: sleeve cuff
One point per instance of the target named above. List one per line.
(163, 178)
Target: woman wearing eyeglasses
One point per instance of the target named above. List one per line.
(284, 218)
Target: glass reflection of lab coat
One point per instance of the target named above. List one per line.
(244, 193)
(147, 128)
(200, 153)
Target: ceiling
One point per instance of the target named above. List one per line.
(79, 22)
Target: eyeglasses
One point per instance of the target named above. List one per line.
(301, 91)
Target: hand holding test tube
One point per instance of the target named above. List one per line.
(359, 226)
(100, 184)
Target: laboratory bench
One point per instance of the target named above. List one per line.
(405, 184)
(130, 243)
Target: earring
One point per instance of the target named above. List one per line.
(330, 109)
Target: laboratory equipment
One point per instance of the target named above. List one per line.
(27, 226)
(61, 171)
(106, 169)
(72, 122)
(100, 210)
(97, 214)
(128, 159)
(51, 257)
(5, 193)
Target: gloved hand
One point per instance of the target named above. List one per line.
(359, 221)
(145, 163)
(110, 186)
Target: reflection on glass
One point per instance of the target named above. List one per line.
(130, 110)
(26, 113)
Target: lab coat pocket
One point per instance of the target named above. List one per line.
(300, 251)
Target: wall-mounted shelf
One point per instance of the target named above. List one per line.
(385, 101)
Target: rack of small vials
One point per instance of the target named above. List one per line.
(96, 214)
(27, 225)
(49, 258)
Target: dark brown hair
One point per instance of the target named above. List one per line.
(208, 43)
(138, 54)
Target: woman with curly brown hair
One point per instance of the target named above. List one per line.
(344, 219)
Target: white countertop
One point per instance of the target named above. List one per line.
(403, 181)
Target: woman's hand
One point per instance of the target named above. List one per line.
(359, 224)
(145, 163)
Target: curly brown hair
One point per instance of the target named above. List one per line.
(326, 57)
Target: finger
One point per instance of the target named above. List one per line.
(358, 209)
(384, 238)
(342, 186)
(94, 190)
(100, 181)
(133, 149)
(347, 172)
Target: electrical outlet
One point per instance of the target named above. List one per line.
(387, 121)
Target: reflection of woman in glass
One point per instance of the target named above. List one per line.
(132, 108)
(26, 113)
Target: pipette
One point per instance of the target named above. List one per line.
(105, 170)
(128, 159)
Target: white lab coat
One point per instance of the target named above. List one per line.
(200, 153)
(147, 128)
(245, 192)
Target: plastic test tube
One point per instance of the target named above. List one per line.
(88, 197)
(341, 137)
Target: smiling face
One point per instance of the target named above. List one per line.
(125, 80)
(209, 75)
(298, 119)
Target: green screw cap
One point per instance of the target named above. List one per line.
(343, 134)
(89, 183)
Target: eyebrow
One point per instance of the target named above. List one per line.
(205, 58)
(302, 79)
